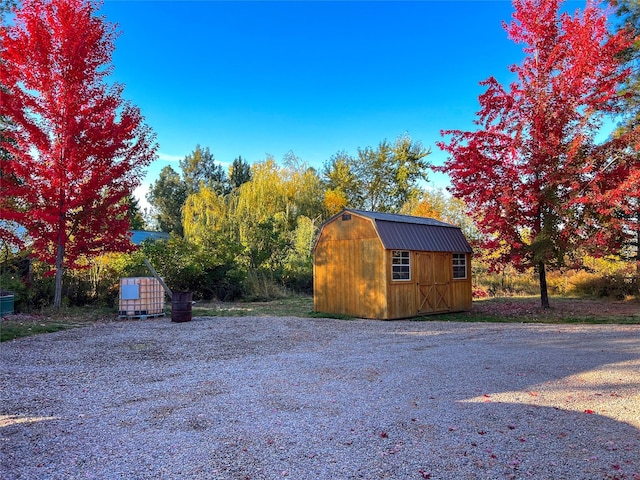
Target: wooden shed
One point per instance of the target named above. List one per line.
(390, 266)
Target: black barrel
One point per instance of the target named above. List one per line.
(181, 306)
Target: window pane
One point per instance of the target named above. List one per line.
(459, 265)
(401, 265)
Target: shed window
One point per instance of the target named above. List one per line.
(400, 265)
(459, 265)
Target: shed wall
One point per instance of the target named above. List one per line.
(401, 294)
(446, 294)
(462, 291)
(349, 270)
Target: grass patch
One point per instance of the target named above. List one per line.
(295, 306)
(564, 310)
(48, 321)
(13, 330)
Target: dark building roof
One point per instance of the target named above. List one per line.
(139, 236)
(405, 232)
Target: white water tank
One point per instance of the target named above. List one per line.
(141, 297)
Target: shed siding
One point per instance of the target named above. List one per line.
(402, 294)
(349, 270)
(462, 291)
(356, 228)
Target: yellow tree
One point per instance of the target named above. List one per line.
(334, 201)
(205, 212)
(305, 191)
(439, 205)
(342, 186)
(261, 198)
(428, 204)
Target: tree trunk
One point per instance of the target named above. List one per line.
(57, 299)
(544, 295)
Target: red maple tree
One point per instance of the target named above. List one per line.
(73, 149)
(538, 182)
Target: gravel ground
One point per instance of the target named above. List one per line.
(268, 398)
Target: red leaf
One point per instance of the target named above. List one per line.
(589, 412)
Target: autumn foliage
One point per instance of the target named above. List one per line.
(539, 184)
(73, 149)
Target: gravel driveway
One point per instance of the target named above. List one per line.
(268, 398)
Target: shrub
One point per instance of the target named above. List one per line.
(507, 283)
(298, 275)
(261, 285)
(15, 285)
(206, 271)
(618, 285)
(479, 292)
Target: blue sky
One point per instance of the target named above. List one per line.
(263, 78)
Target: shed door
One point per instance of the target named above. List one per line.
(433, 279)
(424, 275)
(442, 279)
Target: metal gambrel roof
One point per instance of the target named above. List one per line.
(405, 232)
